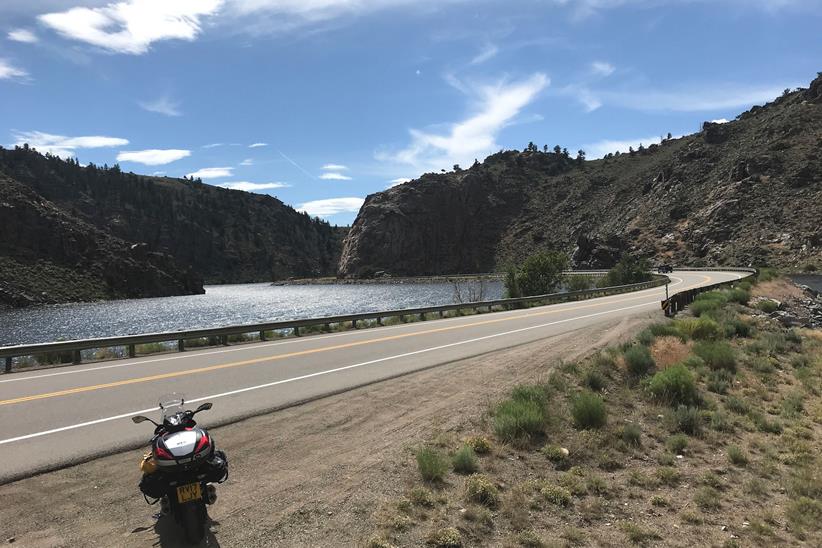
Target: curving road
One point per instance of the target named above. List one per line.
(58, 416)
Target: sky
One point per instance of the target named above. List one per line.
(322, 102)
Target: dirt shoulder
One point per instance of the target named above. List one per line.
(313, 475)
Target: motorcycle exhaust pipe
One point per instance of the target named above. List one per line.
(211, 493)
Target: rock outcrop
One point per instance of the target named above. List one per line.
(744, 192)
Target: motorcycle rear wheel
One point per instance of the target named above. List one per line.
(193, 520)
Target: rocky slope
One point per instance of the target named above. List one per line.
(166, 235)
(745, 192)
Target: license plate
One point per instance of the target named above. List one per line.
(187, 493)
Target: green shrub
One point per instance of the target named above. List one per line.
(739, 295)
(707, 498)
(737, 456)
(556, 495)
(719, 381)
(687, 419)
(523, 415)
(578, 282)
(716, 354)
(677, 443)
(639, 361)
(464, 461)
(708, 302)
(588, 411)
(631, 434)
(720, 421)
(810, 267)
(674, 386)
(421, 496)
(645, 337)
(593, 379)
(539, 274)
(668, 475)
(805, 513)
(766, 425)
(768, 306)
(480, 489)
(664, 330)
(432, 464)
(767, 274)
(703, 328)
(737, 405)
(627, 271)
(448, 537)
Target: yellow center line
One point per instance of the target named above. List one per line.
(229, 365)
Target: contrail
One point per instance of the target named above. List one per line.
(295, 164)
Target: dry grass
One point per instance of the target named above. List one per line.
(779, 289)
(668, 350)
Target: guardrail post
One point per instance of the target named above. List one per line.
(181, 345)
(262, 335)
(76, 357)
(8, 364)
(422, 316)
(296, 331)
(442, 315)
(402, 318)
(379, 320)
(132, 350)
(224, 340)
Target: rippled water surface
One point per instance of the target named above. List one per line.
(811, 280)
(221, 305)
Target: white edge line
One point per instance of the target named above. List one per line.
(260, 345)
(321, 373)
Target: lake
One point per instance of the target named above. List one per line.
(221, 305)
(814, 281)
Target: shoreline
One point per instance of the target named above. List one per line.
(390, 280)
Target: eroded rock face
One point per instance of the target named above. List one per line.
(744, 192)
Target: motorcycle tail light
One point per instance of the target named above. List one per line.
(161, 453)
(203, 443)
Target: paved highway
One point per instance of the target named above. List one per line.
(58, 416)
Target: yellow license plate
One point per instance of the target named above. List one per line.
(187, 493)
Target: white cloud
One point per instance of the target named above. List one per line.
(586, 8)
(332, 176)
(247, 162)
(720, 121)
(163, 105)
(601, 68)
(334, 167)
(131, 26)
(488, 51)
(253, 187)
(475, 137)
(158, 174)
(257, 145)
(23, 35)
(706, 97)
(10, 72)
(398, 181)
(212, 173)
(63, 146)
(331, 206)
(601, 148)
(213, 145)
(153, 157)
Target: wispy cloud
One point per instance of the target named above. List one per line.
(153, 157)
(333, 176)
(212, 173)
(23, 35)
(257, 145)
(601, 148)
(213, 145)
(398, 181)
(253, 187)
(10, 72)
(488, 52)
(131, 26)
(706, 97)
(63, 146)
(331, 206)
(247, 162)
(334, 167)
(163, 105)
(475, 137)
(295, 164)
(601, 68)
(582, 9)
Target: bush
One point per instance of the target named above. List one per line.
(664, 330)
(588, 411)
(768, 306)
(539, 274)
(737, 456)
(719, 381)
(593, 379)
(422, 497)
(810, 267)
(739, 295)
(677, 443)
(432, 464)
(708, 302)
(720, 421)
(556, 495)
(523, 415)
(805, 513)
(448, 537)
(674, 386)
(639, 361)
(627, 271)
(556, 454)
(578, 282)
(700, 328)
(631, 434)
(480, 489)
(464, 461)
(716, 354)
(687, 419)
(645, 337)
(480, 444)
(707, 498)
(737, 405)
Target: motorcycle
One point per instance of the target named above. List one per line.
(183, 466)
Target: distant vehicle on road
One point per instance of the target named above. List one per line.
(664, 269)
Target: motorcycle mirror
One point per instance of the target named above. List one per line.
(204, 407)
(138, 419)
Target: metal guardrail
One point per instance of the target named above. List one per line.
(678, 301)
(222, 333)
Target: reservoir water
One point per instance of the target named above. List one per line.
(221, 305)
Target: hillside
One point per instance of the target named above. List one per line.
(744, 192)
(220, 235)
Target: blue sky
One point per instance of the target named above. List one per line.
(321, 102)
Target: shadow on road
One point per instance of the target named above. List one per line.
(169, 534)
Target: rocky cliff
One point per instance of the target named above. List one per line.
(166, 235)
(745, 192)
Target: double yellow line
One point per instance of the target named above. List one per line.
(137, 380)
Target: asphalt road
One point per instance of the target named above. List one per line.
(58, 416)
